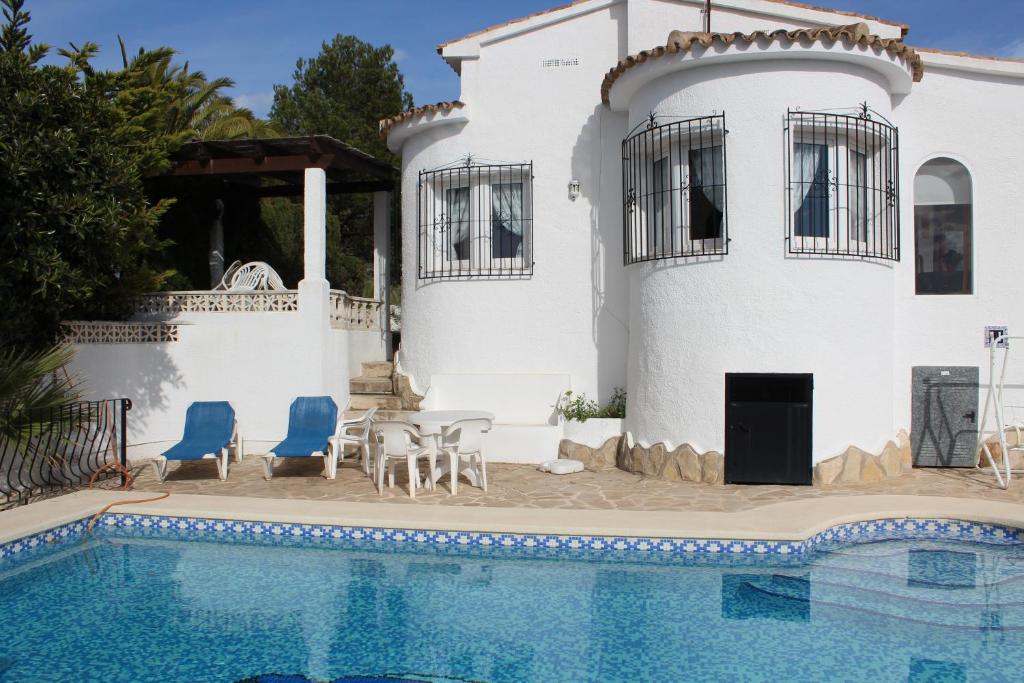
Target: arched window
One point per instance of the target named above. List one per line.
(943, 240)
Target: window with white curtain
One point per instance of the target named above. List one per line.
(674, 190)
(475, 221)
(842, 195)
(456, 208)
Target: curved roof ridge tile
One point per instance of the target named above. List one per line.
(386, 124)
(682, 41)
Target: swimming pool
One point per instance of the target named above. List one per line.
(920, 601)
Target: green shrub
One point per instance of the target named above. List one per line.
(616, 404)
(580, 408)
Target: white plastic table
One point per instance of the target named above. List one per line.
(434, 422)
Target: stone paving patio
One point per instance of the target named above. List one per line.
(523, 486)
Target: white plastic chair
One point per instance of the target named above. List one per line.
(396, 443)
(464, 440)
(255, 276)
(225, 280)
(360, 438)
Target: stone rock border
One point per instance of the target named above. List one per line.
(597, 459)
(657, 461)
(856, 466)
(684, 463)
(1013, 439)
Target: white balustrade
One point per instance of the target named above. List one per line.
(346, 312)
(354, 312)
(174, 303)
(110, 332)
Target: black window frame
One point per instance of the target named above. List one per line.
(483, 260)
(829, 225)
(645, 197)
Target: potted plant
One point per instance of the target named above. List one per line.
(589, 424)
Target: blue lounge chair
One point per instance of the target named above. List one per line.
(210, 432)
(312, 422)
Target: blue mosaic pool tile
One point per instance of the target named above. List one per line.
(46, 538)
(882, 529)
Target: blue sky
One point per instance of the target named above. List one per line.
(256, 42)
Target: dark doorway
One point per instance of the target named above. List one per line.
(768, 428)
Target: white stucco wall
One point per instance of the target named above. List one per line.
(570, 316)
(363, 346)
(857, 325)
(759, 309)
(974, 119)
(259, 362)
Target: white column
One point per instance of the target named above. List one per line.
(315, 225)
(313, 324)
(381, 265)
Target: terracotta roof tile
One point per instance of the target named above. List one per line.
(801, 5)
(969, 55)
(905, 28)
(389, 122)
(681, 41)
(509, 23)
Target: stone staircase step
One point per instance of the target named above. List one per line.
(378, 368)
(386, 401)
(370, 385)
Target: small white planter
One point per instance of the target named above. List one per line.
(594, 432)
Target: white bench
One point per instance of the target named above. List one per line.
(526, 427)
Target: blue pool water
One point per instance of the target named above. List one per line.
(147, 605)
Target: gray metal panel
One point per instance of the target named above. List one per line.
(944, 415)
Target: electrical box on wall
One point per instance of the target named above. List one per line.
(998, 334)
(574, 189)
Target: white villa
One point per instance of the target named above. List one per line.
(781, 228)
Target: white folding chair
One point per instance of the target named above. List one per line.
(464, 440)
(396, 443)
(354, 431)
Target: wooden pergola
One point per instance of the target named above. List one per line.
(245, 162)
(312, 166)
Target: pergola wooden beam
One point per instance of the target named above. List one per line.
(248, 165)
(355, 187)
(274, 156)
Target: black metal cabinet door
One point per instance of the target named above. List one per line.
(768, 443)
(944, 415)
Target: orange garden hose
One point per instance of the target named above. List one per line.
(128, 482)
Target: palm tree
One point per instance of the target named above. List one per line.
(194, 104)
(34, 385)
(171, 100)
(240, 123)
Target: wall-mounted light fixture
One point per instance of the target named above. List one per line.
(574, 189)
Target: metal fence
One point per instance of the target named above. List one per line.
(62, 448)
(674, 201)
(475, 221)
(842, 193)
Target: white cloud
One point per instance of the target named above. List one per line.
(1015, 49)
(259, 103)
(400, 55)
